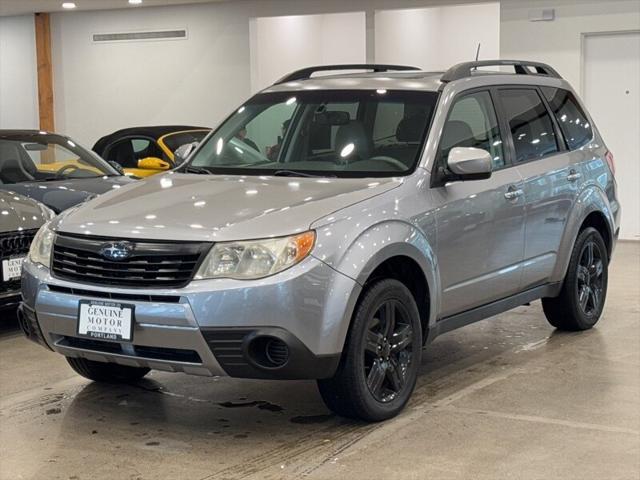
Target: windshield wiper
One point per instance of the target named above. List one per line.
(297, 173)
(201, 171)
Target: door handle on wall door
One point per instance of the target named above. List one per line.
(513, 193)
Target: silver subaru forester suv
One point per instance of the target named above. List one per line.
(331, 227)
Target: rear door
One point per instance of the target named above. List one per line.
(480, 223)
(551, 177)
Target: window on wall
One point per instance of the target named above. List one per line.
(530, 124)
(472, 122)
(573, 122)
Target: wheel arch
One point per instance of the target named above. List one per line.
(590, 210)
(408, 258)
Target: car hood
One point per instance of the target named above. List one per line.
(217, 208)
(63, 194)
(20, 213)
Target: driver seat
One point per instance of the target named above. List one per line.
(14, 167)
(354, 133)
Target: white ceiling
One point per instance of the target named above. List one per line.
(20, 7)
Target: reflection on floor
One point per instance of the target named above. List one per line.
(505, 398)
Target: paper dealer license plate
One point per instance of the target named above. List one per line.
(105, 320)
(11, 268)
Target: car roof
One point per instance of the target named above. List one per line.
(409, 80)
(401, 77)
(416, 81)
(30, 135)
(155, 131)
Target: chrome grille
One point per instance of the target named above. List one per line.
(151, 263)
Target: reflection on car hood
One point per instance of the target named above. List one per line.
(63, 194)
(217, 208)
(20, 213)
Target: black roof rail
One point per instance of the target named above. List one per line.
(305, 73)
(521, 67)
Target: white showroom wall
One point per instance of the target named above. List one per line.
(18, 79)
(319, 40)
(559, 42)
(100, 88)
(435, 38)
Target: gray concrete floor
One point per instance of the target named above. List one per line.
(507, 398)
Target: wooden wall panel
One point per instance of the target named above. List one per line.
(45, 72)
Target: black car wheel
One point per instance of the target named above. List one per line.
(382, 355)
(581, 300)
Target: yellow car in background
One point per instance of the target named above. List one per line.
(145, 151)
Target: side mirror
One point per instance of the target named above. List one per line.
(153, 163)
(117, 167)
(183, 152)
(467, 163)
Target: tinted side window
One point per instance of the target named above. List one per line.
(472, 122)
(573, 122)
(530, 124)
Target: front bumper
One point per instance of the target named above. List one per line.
(208, 327)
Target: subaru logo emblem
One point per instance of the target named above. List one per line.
(116, 251)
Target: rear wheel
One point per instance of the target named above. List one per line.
(581, 300)
(106, 372)
(382, 355)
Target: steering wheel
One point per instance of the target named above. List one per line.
(390, 160)
(71, 167)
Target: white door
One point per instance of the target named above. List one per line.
(611, 92)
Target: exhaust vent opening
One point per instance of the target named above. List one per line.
(179, 34)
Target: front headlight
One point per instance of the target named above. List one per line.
(40, 250)
(255, 258)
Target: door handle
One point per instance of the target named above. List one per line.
(513, 193)
(573, 176)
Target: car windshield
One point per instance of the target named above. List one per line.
(335, 133)
(35, 158)
(173, 141)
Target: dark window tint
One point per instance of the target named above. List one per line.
(472, 123)
(530, 124)
(573, 122)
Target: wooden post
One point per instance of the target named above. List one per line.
(45, 73)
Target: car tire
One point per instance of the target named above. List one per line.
(581, 300)
(381, 357)
(106, 372)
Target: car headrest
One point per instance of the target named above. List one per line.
(410, 129)
(457, 134)
(354, 132)
(13, 158)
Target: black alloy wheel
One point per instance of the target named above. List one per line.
(387, 350)
(589, 286)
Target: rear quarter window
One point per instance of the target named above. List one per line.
(572, 120)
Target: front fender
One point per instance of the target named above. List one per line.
(380, 242)
(591, 199)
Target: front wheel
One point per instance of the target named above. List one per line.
(379, 365)
(581, 300)
(106, 372)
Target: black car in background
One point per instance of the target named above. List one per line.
(54, 169)
(145, 151)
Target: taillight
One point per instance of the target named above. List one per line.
(609, 158)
